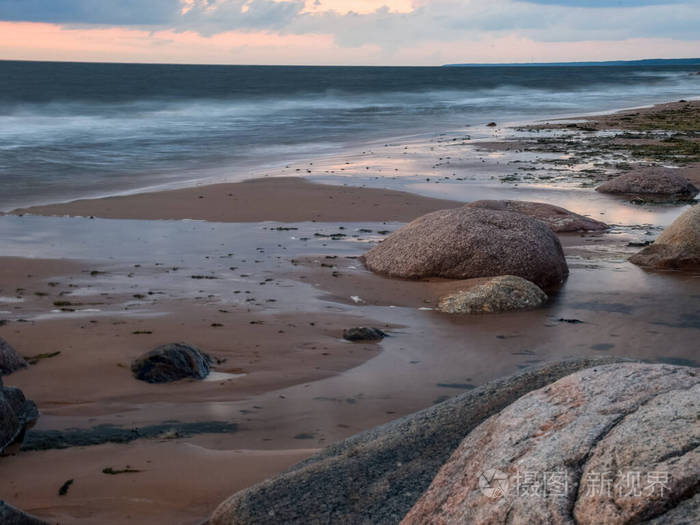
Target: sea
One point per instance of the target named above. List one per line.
(75, 130)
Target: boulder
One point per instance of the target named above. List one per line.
(16, 415)
(376, 476)
(10, 515)
(678, 246)
(171, 362)
(10, 361)
(463, 243)
(614, 444)
(363, 333)
(501, 294)
(656, 185)
(559, 219)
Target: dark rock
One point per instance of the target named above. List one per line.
(492, 124)
(10, 515)
(10, 361)
(375, 477)
(363, 333)
(171, 362)
(462, 243)
(678, 246)
(557, 218)
(656, 185)
(16, 415)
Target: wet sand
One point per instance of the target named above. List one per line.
(268, 292)
(283, 199)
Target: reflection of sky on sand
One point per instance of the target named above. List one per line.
(626, 310)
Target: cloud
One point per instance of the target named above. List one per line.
(111, 12)
(391, 25)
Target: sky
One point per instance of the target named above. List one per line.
(360, 32)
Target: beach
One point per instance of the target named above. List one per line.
(265, 275)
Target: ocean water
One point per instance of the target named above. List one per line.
(70, 130)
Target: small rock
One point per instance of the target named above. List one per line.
(677, 247)
(492, 124)
(10, 361)
(500, 294)
(171, 362)
(363, 333)
(655, 185)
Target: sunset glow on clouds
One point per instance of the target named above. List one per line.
(401, 32)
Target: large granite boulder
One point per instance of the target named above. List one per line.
(462, 243)
(559, 219)
(10, 515)
(614, 444)
(10, 361)
(375, 477)
(171, 362)
(505, 293)
(656, 185)
(16, 415)
(678, 246)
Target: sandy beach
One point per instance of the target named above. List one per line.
(264, 275)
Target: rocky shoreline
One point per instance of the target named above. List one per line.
(313, 331)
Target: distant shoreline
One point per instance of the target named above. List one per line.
(644, 62)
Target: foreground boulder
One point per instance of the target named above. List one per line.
(10, 515)
(363, 333)
(656, 185)
(505, 293)
(677, 247)
(615, 444)
(10, 361)
(16, 415)
(171, 362)
(559, 219)
(463, 243)
(377, 476)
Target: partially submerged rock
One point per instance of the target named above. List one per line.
(10, 515)
(501, 294)
(677, 247)
(16, 415)
(10, 361)
(376, 476)
(462, 243)
(614, 444)
(559, 219)
(171, 362)
(363, 333)
(656, 185)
